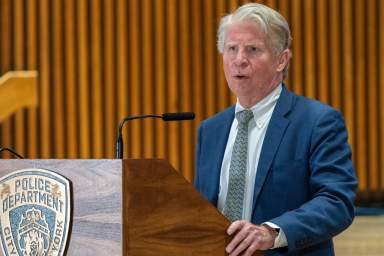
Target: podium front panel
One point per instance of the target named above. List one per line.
(96, 185)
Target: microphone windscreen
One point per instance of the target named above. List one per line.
(178, 116)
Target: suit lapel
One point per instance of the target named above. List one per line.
(218, 137)
(273, 137)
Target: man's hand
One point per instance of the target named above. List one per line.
(249, 238)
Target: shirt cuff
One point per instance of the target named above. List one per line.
(281, 239)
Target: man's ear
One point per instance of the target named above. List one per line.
(283, 59)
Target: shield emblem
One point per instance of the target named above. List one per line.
(35, 213)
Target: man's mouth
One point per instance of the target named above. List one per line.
(241, 77)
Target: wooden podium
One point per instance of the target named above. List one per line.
(134, 207)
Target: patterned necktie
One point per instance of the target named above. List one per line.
(233, 208)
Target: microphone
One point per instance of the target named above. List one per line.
(12, 152)
(166, 117)
(178, 116)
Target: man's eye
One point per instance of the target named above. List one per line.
(231, 48)
(253, 49)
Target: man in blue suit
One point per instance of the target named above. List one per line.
(276, 164)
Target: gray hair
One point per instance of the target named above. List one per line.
(275, 26)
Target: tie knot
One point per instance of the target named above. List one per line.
(244, 116)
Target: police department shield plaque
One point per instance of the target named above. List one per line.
(35, 213)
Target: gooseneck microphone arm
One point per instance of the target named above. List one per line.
(11, 151)
(166, 117)
(119, 142)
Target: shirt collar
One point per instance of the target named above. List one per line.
(262, 108)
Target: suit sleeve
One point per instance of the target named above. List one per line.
(333, 184)
(198, 158)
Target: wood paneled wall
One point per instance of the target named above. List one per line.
(100, 60)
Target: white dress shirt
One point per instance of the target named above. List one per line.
(257, 128)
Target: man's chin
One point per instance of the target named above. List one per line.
(241, 89)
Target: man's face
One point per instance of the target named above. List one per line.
(250, 67)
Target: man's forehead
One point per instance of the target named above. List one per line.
(244, 33)
(244, 43)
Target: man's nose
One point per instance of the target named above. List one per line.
(241, 59)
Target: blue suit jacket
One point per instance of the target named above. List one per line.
(305, 181)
